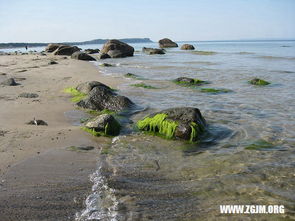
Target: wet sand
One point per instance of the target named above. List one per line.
(39, 177)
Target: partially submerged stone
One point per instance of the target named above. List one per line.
(9, 82)
(151, 51)
(259, 82)
(106, 65)
(186, 81)
(185, 123)
(82, 56)
(105, 124)
(167, 43)
(215, 90)
(187, 47)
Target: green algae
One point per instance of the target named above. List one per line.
(93, 132)
(259, 82)
(214, 90)
(158, 124)
(77, 95)
(196, 82)
(259, 144)
(144, 86)
(133, 76)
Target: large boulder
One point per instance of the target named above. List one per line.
(104, 123)
(66, 50)
(187, 47)
(167, 43)
(52, 47)
(100, 98)
(117, 49)
(86, 87)
(82, 56)
(91, 51)
(151, 51)
(185, 123)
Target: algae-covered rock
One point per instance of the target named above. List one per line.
(259, 82)
(187, 47)
(86, 87)
(185, 123)
(105, 124)
(185, 81)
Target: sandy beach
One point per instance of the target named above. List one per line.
(36, 169)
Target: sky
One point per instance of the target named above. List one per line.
(180, 20)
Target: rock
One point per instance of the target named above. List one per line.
(117, 49)
(259, 82)
(66, 50)
(86, 87)
(105, 123)
(103, 56)
(185, 79)
(100, 98)
(187, 47)
(52, 47)
(37, 122)
(52, 62)
(82, 56)
(189, 81)
(185, 123)
(150, 51)
(91, 51)
(9, 82)
(106, 65)
(167, 43)
(28, 95)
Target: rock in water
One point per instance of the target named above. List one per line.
(52, 47)
(82, 56)
(259, 82)
(185, 123)
(151, 51)
(117, 49)
(100, 98)
(9, 82)
(167, 43)
(86, 87)
(105, 123)
(66, 50)
(187, 47)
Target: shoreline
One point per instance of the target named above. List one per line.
(29, 149)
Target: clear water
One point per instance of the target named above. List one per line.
(194, 179)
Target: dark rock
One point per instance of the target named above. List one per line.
(103, 56)
(187, 119)
(89, 85)
(100, 98)
(82, 56)
(52, 62)
(150, 51)
(9, 82)
(91, 51)
(185, 79)
(259, 82)
(52, 47)
(37, 122)
(105, 123)
(28, 95)
(167, 43)
(187, 47)
(66, 50)
(106, 65)
(117, 49)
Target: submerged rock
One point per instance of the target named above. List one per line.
(28, 95)
(91, 51)
(167, 43)
(66, 50)
(9, 82)
(101, 97)
(260, 82)
(185, 123)
(189, 81)
(104, 123)
(86, 87)
(117, 49)
(187, 47)
(82, 56)
(151, 51)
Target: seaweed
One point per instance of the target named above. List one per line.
(195, 82)
(259, 144)
(130, 75)
(158, 124)
(144, 86)
(213, 90)
(77, 95)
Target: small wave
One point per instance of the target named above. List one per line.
(276, 58)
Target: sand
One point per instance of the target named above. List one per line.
(29, 151)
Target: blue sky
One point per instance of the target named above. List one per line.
(79, 20)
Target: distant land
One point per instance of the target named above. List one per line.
(95, 41)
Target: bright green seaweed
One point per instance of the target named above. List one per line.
(77, 95)
(158, 124)
(196, 82)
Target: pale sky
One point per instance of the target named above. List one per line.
(180, 20)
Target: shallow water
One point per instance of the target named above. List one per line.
(146, 177)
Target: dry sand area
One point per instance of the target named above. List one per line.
(39, 178)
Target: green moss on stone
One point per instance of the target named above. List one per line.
(77, 95)
(215, 91)
(93, 132)
(158, 124)
(144, 86)
(196, 82)
(259, 82)
(260, 144)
